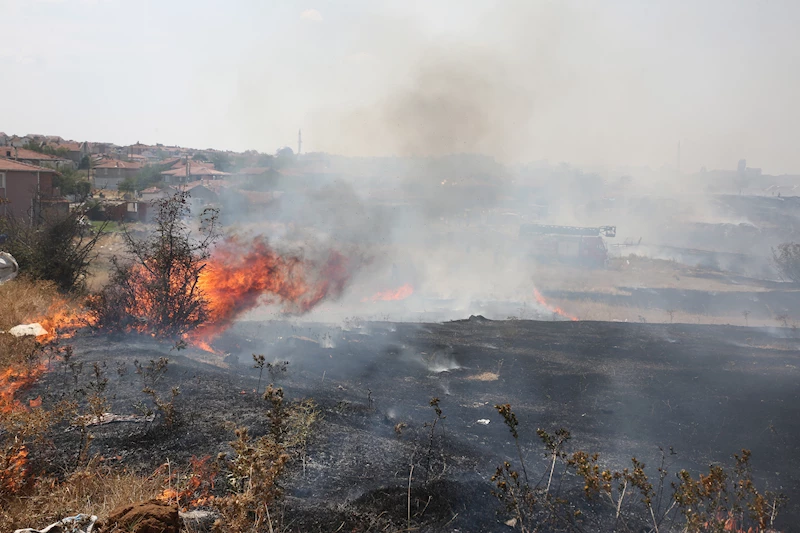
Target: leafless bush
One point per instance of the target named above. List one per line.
(786, 258)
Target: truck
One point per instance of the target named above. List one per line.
(576, 245)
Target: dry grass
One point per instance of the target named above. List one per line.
(24, 300)
(483, 376)
(99, 271)
(96, 490)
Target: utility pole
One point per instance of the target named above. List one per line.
(299, 141)
(678, 166)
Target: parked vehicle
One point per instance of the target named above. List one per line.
(583, 246)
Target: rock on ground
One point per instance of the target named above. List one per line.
(153, 516)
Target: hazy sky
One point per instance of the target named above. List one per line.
(614, 82)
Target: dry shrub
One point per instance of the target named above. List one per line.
(254, 471)
(94, 490)
(24, 299)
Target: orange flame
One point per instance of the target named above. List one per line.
(401, 293)
(557, 310)
(14, 469)
(243, 275)
(195, 489)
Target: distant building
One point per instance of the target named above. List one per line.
(185, 172)
(75, 151)
(23, 188)
(109, 173)
(35, 158)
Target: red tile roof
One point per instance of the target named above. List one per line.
(181, 162)
(71, 146)
(24, 153)
(115, 163)
(9, 165)
(194, 171)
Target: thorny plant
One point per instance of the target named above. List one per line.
(277, 369)
(430, 455)
(98, 406)
(716, 502)
(169, 413)
(254, 472)
(258, 362)
(523, 501)
(723, 502)
(151, 374)
(434, 452)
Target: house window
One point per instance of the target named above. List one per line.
(2, 180)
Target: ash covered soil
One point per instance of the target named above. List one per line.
(622, 390)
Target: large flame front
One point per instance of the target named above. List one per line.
(557, 310)
(240, 276)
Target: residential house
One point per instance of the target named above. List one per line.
(137, 149)
(17, 141)
(3, 138)
(35, 158)
(189, 171)
(23, 187)
(109, 173)
(75, 151)
(153, 193)
(258, 178)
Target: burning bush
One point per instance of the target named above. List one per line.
(155, 289)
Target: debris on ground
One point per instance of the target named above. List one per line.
(8, 267)
(28, 330)
(82, 523)
(484, 421)
(198, 520)
(152, 516)
(111, 418)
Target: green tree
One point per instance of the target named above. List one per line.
(57, 247)
(71, 181)
(147, 177)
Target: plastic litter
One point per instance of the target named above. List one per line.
(28, 330)
(8, 267)
(484, 421)
(81, 523)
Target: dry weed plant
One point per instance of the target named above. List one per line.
(254, 471)
(721, 501)
(96, 489)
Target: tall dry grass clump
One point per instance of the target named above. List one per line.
(94, 490)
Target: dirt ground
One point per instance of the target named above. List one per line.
(622, 390)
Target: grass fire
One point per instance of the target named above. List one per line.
(444, 267)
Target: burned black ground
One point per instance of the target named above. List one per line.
(622, 390)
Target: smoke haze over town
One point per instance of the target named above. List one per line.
(615, 84)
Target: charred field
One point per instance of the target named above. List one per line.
(702, 393)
